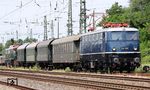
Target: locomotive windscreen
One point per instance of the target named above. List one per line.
(123, 35)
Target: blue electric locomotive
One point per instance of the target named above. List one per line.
(110, 49)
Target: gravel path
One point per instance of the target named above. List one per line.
(146, 84)
(38, 85)
(3, 87)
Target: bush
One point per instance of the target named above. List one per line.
(146, 60)
(36, 68)
(67, 69)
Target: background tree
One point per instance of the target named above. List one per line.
(29, 40)
(1, 48)
(136, 15)
(9, 42)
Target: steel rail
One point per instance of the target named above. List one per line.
(77, 82)
(104, 76)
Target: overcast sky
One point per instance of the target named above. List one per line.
(17, 15)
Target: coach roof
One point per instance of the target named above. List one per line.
(66, 39)
(44, 43)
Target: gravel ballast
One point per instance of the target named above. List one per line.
(39, 85)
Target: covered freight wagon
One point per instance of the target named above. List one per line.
(66, 51)
(31, 54)
(21, 54)
(44, 53)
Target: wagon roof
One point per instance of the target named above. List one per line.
(66, 39)
(13, 47)
(23, 46)
(44, 43)
(32, 45)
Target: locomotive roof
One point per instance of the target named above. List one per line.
(32, 45)
(66, 39)
(23, 46)
(111, 29)
(44, 43)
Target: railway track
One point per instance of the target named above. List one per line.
(16, 86)
(104, 76)
(75, 81)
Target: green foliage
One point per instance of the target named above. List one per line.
(116, 14)
(36, 68)
(19, 41)
(137, 15)
(67, 69)
(146, 59)
(29, 40)
(9, 42)
(140, 12)
(1, 48)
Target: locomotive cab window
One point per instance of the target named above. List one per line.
(132, 35)
(123, 35)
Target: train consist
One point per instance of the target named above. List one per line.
(106, 49)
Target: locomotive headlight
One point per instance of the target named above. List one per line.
(137, 60)
(135, 49)
(116, 60)
(114, 49)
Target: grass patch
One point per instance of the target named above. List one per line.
(140, 69)
(67, 69)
